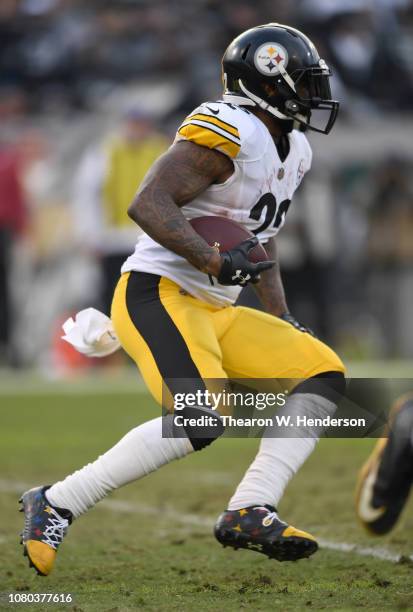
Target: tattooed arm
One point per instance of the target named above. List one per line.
(175, 179)
(270, 289)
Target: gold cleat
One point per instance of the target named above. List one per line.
(44, 529)
(258, 528)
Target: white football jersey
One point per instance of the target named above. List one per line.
(257, 195)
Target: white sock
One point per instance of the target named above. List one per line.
(141, 451)
(278, 459)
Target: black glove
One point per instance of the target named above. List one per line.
(288, 317)
(236, 269)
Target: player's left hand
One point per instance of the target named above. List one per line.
(288, 318)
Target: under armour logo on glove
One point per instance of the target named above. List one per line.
(242, 279)
(237, 269)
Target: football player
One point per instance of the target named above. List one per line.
(242, 158)
(386, 478)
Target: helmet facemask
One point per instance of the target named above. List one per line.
(312, 99)
(304, 96)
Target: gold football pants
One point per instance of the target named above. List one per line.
(171, 335)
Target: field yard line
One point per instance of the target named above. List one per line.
(169, 513)
(79, 387)
(13, 486)
(198, 521)
(362, 551)
(126, 507)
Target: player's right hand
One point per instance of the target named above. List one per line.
(236, 269)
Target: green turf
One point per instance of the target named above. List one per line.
(146, 555)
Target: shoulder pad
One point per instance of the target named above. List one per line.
(216, 125)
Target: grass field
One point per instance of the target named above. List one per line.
(149, 547)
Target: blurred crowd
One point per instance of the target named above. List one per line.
(92, 92)
(67, 54)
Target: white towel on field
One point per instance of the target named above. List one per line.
(91, 332)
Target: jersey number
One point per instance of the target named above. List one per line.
(268, 202)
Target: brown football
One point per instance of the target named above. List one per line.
(226, 234)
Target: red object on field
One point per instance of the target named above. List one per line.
(65, 357)
(13, 213)
(226, 234)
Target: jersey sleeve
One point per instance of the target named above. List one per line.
(212, 125)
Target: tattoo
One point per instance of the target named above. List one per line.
(270, 289)
(176, 178)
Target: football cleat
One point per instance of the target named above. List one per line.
(385, 479)
(258, 528)
(44, 529)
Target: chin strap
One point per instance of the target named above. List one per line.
(233, 98)
(254, 100)
(260, 102)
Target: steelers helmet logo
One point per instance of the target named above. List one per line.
(269, 57)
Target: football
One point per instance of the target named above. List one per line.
(226, 234)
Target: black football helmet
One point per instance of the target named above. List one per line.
(278, 69)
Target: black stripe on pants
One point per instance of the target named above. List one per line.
(160, 333)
